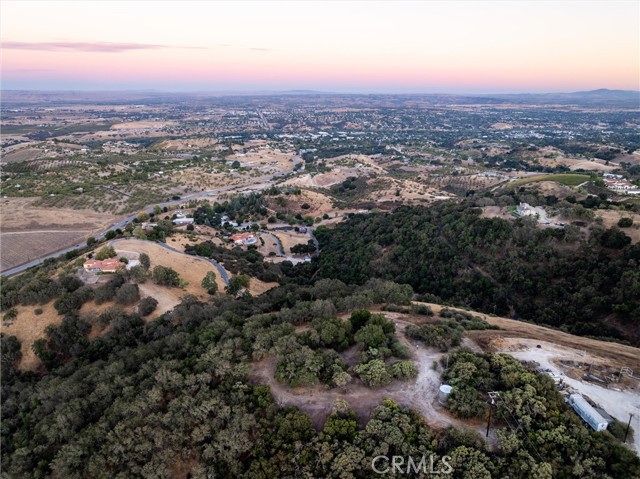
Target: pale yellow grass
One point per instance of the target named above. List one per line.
(190, 268)
(28, 327)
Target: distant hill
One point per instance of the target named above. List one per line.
(596, 98)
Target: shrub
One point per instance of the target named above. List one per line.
(147, 306)
(421, 309)
(403, 370)
(165, 276)
(138, 273)
(106, 252)
(128, 294)
(145, 261)
(625, 222)
(374, 373)
(209, 282)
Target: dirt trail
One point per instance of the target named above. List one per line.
(419, 394)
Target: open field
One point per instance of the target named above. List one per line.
(19, 214)
(20, 247)
(575, 163)
(569, 179)
(29, 232)
(24, 154)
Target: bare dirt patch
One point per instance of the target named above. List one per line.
(617, 354)
(617, 402)
(17, 248)
(496, 212)
(28, 327)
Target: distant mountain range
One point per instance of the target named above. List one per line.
(596, 98)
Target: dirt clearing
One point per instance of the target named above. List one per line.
(28, 327)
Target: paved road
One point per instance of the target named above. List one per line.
(277, 241)
(315, 241)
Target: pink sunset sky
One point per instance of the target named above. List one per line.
(360, 46)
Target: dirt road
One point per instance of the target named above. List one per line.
(419, 394)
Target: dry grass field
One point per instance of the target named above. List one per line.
(190, 268)
(28, 327)
(611, 217)
(24, 154)
(19, 214)
(29, 232)
(289, 239)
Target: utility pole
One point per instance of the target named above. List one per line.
(489, 420)
(492, 395)
(628, 425)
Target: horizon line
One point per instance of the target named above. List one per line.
(305, 90)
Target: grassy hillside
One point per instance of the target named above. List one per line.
(568, 179)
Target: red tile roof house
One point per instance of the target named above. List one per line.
(110, 265)
(242, 238)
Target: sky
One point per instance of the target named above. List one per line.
(336, 46)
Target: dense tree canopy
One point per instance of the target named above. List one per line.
(449, 253)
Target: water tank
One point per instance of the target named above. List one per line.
(443, 393)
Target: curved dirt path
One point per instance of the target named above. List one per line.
(420, 394)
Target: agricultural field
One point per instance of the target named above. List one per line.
(29, 231)
(568, 179)
(20, 247)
